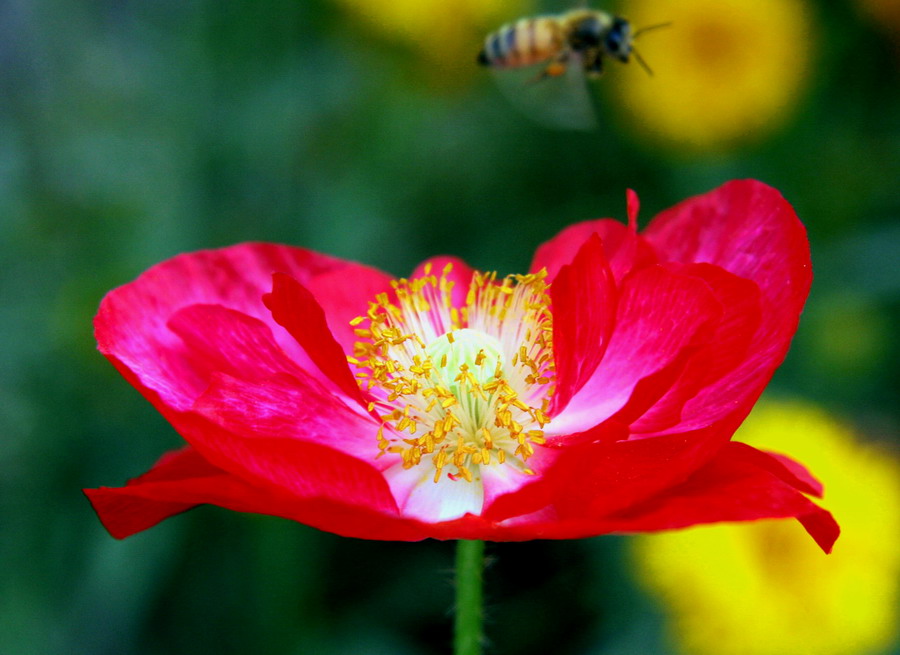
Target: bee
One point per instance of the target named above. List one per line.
(584, 36)
(572, 46)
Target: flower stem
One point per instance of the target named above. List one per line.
(467, 629)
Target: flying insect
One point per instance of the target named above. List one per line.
(568, 46)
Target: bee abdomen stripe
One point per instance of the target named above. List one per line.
(495, 47)
(509, 42)
(520, 44)
(547, 37)
(532, 39)
(527, 41)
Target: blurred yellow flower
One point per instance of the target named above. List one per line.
(447, 34)
(726, 72)
(764, 589)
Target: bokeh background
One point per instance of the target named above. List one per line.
(133, 130)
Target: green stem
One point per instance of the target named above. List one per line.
(467, 629)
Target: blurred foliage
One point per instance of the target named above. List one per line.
(131, 131)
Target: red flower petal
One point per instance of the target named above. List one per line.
(216, 339)
(624, 249)
(748, 229)
(184, 479)
(287, 407)
(597, 479)
(583, 296)
(134, 508)
(740, 484)
(731, 487)
(306, 468)
(131, 326)
(633, 205)
(343, 294)
(790, 471)
(727, 349)
(658, 315)
(295, 308)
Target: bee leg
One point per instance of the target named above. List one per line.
(555, 68)
(594, 68)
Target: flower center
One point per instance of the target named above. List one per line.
(462, 385)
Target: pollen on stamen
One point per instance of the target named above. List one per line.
(459, 387)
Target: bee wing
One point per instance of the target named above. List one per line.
(561, 102)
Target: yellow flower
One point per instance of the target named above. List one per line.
(725, 72)
(447, 34)
(764, 589)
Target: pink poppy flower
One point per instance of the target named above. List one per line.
(598, 393)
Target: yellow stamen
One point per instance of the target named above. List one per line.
(471, 385)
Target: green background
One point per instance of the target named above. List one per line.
(131, 131)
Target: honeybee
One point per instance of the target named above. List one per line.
(573, 44)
